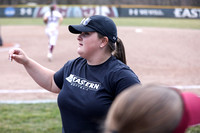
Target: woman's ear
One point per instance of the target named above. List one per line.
(104, 41)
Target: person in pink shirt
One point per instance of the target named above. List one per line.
(153, 109)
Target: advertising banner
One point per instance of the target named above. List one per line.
(66, 11)
(159, 12)
(110, 11)
(16, 12)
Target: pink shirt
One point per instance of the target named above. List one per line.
(191, 114)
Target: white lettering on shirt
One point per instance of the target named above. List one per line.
(83, 83)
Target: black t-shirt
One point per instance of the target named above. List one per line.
(88, 91)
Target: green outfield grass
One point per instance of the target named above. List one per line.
(146, 22)
(30, 118)
(36, 118)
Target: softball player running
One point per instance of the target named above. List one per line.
(52, 19)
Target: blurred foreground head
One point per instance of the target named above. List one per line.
(152, 109)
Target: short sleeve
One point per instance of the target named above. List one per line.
(124, 79)
(58, 77)
(58, 14)
(62, 73)
(46, 15)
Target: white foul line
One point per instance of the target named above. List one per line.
(26, 101)
(188, 87)
(54, 101)
(25, 91)
(138, 30)
(45, 91)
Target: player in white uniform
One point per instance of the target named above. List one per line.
(52, 19)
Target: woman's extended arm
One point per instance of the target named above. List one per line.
(41, 75)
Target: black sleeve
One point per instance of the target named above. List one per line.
(124, 79)
(58, 77)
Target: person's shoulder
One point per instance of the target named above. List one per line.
(119, 68)
(57, 13)
(47, 13)
(116, 64)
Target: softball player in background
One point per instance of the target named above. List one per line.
(52, 19)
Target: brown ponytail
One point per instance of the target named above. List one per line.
(119, 52)
(52, 8)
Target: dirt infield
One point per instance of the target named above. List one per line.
(157, 55)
